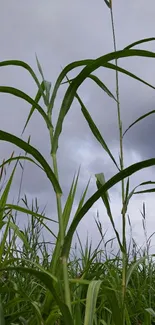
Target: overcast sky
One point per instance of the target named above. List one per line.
(60, 32)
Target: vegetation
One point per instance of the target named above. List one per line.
(44, 284)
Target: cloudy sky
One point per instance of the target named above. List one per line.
(60, 32)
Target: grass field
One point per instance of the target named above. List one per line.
(49, 284)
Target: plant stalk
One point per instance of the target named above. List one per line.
(124, 259)
(61, 227)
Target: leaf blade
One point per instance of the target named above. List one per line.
(5, 136)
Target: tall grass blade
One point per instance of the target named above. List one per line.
(81, 202)
(8, 161)
(47, 85)
(62, 75)
(2, 320)
(132, 268)
(70, 67)
(92, 295)
(18, 232)
(37, 99)
(102, 86)
(144, 40)
(47, 279)
(27, 211)
(3, 242)
(100, 181)
(95, 130)
(139, 119)
(110, 183)
(4, 136)
(72, 89)
(4, 197)
(20, 94)
(23, 65)
(115, 306)
(98, 82)
(129, 74)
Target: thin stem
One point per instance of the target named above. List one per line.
(61, 228)
(58, 195)
(121, 166)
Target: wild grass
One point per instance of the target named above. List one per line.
(49, 282)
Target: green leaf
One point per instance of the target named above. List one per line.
(23, 65)
(129, 195)
(47, 280)
(105, 197)
(150, 311)
(109, 184)
(2, 320)
(4, 136)
(95, 130)
(92, 295)
(150, 190)
(3, 242)
(102, 86)
(139, 119)
(19, 158)
(73, 87)
(40, 68)
(20, 94)
(115, 306)
(27, 211)
(65, 217)
(98, 82)
(108, 3)
(132, 268)
(5, 194)
(144, 40)
(129, 74)
(37, 312)
(62, 75)
(82, 198)
(47, 85)
(37, 98)
(18, 233)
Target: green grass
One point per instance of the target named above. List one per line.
(52, 283)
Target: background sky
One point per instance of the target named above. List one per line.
(60, 32)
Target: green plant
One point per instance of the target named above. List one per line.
(63, 299)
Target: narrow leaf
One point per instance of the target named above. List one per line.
(91, 300)
(4, 136)
(95, 130)
(139, 119)
(37, 98)
(132, 268)
(47, 279)
(20, 94)
(102, 86)
(8, 161)
(105, 197)
(72, 89)
(2, 320)
(129, 74)
(62, 75)
(5, 194)
(144, 40)
(109, 184)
